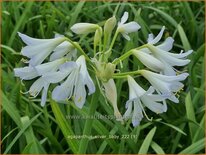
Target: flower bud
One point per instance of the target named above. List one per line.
(83, 28)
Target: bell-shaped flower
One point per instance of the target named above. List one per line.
(161, 52)
(139, 98)
(126, 28)
(84, 28)
(38, 49)
(111, 95)
(166, 85)
(74, 85)
(148, 60)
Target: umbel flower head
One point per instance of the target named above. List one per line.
(56, 70)
(63, 65)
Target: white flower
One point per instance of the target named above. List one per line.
(29, 72)
(167, 85)
(127, 28)
(111, 95)
(74, 85)
(161, 52)
(149, 61)
(138, 98)
(39, 49)
(83, 28)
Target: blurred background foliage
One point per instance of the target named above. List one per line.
(26, 127)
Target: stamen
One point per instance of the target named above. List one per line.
(149, 119)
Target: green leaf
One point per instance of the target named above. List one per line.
(174, 127)
(11, 110)
(194, 147)
(89, 123)
(20, 133)
(190, 115)
(64, 126)
(157, 148)
(30, 137)
(146, 143)
(183, 37)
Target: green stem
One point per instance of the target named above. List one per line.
(75, 44)
(113, 40)
(127, 54)
(124, 75)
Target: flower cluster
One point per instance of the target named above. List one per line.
(62, 63)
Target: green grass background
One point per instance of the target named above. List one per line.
(26, 127)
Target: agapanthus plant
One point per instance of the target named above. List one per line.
(62, 63)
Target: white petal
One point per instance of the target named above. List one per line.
(44, 95)
(130, 27)
(181, 55)
(152, 105)
(61, 50)
(134, 89)
(167, 44)
(168, 70)
(149, 61)
(128, 112)
(150, 37)
(55, 77)
(26, 73)
(45, 47)
(38, 59)
(168, 57)
(49, 66)
(32, 41)
(65, 90)
(80, 93)
(37, 86)
(83, 70)
(137, 113)
(124, 17)
(68, 66)
(82, 28)
(158, 37)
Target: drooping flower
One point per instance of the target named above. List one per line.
(161, 56)
(83, 28)
(38, 49)
(166, 85)
(30, 72)
(149, 61)
(139, 98)
(74, 85)
(111, 95)
(127, 28)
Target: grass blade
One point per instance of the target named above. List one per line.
(195, 147)
(20, 133)
(157, 148)
(64, 126)
(190, 115)
(146, 143)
